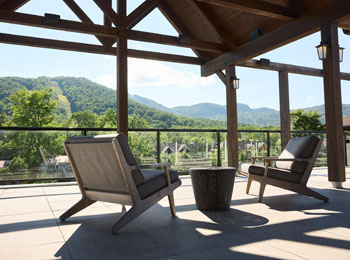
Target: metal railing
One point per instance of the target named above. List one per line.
(92, 131)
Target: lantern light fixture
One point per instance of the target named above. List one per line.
(235, 82)
(322, 51)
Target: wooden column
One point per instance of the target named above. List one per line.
(284, 107)
(232, 123)
(122, 71)
(333, 106)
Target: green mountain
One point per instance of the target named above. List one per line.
(80, 94)
(263, 116)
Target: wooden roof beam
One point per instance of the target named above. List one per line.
(301, 70)
(175, 41)
(210, 21)
(12, 5)
(75, 8)
(292, 31)
(96, 49)
(110, 32)
(256, 7)
(108, 11)
(140, 12)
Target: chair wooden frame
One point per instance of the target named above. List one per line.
(132, 198)
(295, 187)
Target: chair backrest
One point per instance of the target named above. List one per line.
(299, 147)
(96, 165)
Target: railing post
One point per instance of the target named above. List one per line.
(268, 143)
(84, 132)
(218, 151)
(158, 146)
(345, 151)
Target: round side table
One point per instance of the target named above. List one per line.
(213, 187)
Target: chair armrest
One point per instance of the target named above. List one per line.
(149, 166)
(264, 158)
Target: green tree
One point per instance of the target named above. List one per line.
(32, 108)
(136, 121)
(306, 120)
(108, 119)
(85, 119)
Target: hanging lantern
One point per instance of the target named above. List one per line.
(322, 51)
(235, 82)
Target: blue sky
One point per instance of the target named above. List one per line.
(166, 83)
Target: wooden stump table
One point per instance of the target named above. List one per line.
(213, 187)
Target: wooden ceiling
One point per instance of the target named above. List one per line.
(220, 32)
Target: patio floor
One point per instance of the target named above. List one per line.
(285, 226)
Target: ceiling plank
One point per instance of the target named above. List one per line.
(140, 12)
(292, 31)
(75, 8)
(96, 49)
(108, 11)
(210, 21)
(12, 5)
(256, 7)
(298, 7)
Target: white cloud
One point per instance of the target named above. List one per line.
(146, 73)
(309, 100)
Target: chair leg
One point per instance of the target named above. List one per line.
(130, 215)
(172, 204)
(249, 183)
(309, 192)
(261, 191)
(80, 205)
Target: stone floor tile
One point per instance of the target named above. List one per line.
(13, 206)
(314, 245)
(30, 237)
(26, 221)
(40, 252)
(253, 251)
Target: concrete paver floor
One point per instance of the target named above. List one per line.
(285, 226)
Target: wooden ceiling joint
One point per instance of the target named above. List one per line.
(140, 12)
(211, 21)
(303, 26)
(12, 5)
(108, 11)
(256, 7)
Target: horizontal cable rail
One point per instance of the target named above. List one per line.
(217, 140)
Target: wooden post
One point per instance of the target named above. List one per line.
(122, 71)
(333, 106)
(284, 107)
(232, 124)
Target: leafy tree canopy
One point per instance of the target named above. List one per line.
(85, 119)
(33, 108)
(306, 120)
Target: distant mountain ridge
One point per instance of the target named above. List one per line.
(262, 116)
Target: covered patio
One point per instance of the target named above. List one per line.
(222, 34)
(285, 226)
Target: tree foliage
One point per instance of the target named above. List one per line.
(306, 120)
(32, 108)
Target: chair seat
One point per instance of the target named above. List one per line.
(275, 173)
(154, 180)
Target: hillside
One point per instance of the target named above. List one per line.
(79, 94)
(249, 116)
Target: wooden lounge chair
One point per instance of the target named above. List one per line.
(292, 169)
(106, 170)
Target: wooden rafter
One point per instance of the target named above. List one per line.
(210, 21)
(110, 32)
(75, 8)
(108, 23)
(140, 12)
(298, 7)
(256, 7)
(292, 31)
(108, 11)
(12, 5)
(96, 49)
(175, 41)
